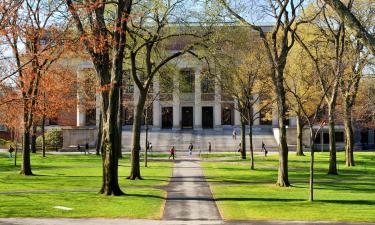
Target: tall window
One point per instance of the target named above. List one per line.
(227, 114)
(128, 115)
(207, 84)
(90, 117)
(187, 81)
(166, 83)
(128, 83)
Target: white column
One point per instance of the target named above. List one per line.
(197, 100)
(81, 109)
(156, 106)
(176, 104)
(217, 106)
(237, 115)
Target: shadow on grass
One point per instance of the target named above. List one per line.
(144, 196)
(339, 201)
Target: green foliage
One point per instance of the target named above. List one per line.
(53, 137)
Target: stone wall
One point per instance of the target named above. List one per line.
(79, 135)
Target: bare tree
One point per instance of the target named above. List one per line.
(277, 47)
(148, 52)
(354, 23)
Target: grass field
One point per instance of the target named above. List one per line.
(73, 181)
(242, 194)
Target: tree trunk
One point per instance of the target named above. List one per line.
(43, 136)
(26, 165)
(311, 197)
(283, 178)
(110, 109)
(135, 172)
(251, 143)
(146, 142)
(120, 119)
(99, 137)
(243, 137)
(332, 140)
(349, 137)
(299, 136)
(33, 138)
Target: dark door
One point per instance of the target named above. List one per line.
(207, 117)
(167, 117)
(187, 117)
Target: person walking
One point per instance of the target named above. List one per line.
(209, 147)
(264, 149)
(87, 148)
(172, 153)
(234, 134)
(149, 146)
(78, 148)
(191, 148)
(11, 150)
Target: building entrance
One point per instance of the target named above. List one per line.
(187, 117)
(207, 117)
(167, 117)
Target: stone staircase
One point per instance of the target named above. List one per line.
(221, 140)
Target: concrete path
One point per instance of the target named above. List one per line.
(189, 195)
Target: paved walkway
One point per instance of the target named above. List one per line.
(189, 195)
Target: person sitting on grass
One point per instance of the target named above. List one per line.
(172, 153)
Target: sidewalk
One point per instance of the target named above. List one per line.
(189, 195)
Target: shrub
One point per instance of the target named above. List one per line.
(53, 137)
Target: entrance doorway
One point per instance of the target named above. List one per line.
(187, 117)
(207, 117)
(167, 117)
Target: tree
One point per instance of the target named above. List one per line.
(33, 25)
(104, 38)
(330, 39)
(277, 46)
(311, 120)
(148, 53)
(354, 23)
(301, 88)
(57, 93)
(356, 60)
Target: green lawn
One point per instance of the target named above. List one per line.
(77, 179)
(242, 194)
